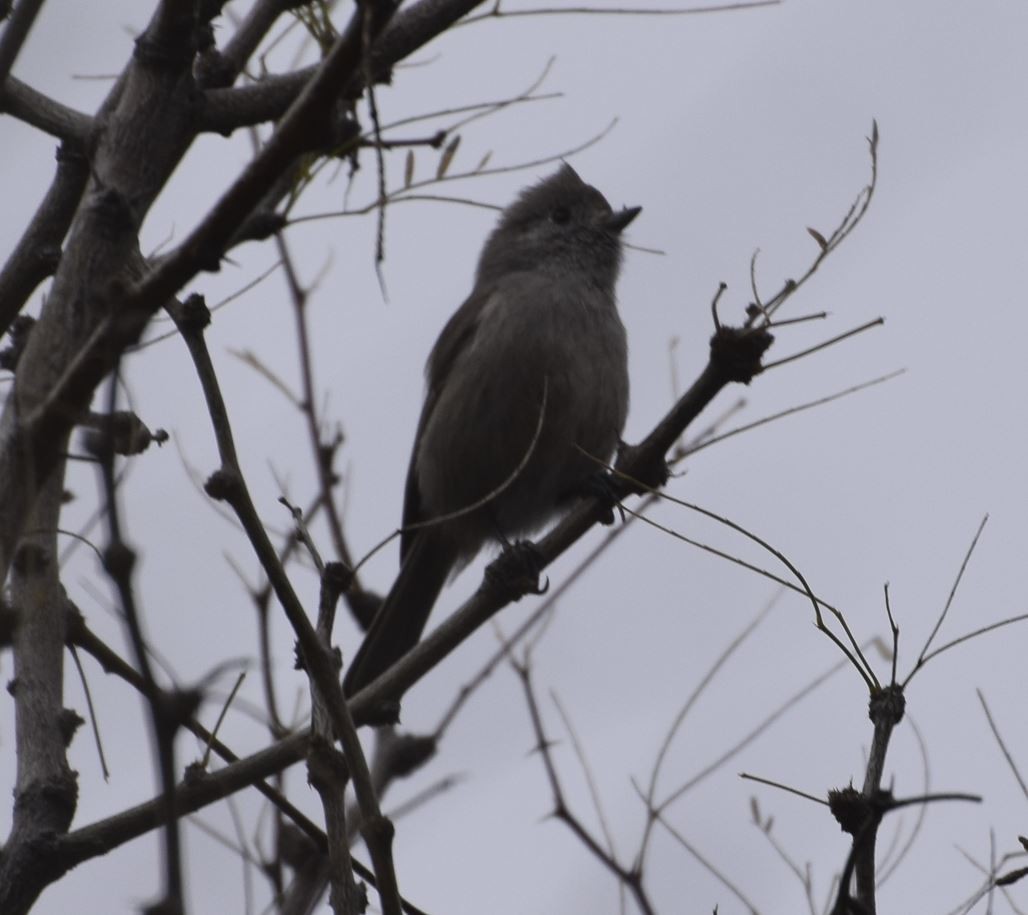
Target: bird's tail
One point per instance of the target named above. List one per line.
(401, 619)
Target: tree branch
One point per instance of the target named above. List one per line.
(21, 101)
(250, 33)
(46, 790)
(321, 665)
(225, 110)
(79, 634)
(79, 334)
(15, 32)
(38, 251)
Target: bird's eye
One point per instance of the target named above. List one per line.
(560, 215)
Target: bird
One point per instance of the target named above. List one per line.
(526, 388)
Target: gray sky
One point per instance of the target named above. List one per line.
(735, 132)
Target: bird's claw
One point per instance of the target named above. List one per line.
(515, 572)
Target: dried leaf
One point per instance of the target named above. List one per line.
(818, 237)
(447, 157)
(408, 169)
(1012, 877)
(484, 162)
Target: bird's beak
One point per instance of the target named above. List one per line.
(618, 221)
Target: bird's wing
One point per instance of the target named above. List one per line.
(454, 339)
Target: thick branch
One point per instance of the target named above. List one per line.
(194, 794)
(80, 635)
(46, 790)
(37, 110)
(251, 32)
(885, 711)
(15, 32)
(327, 771)
(38, 252)
(80, 332)
(321, 666)
(225, 110)
(98, 839)
(87, 320)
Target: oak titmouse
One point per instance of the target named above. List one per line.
(528, 377)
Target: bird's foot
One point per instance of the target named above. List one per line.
(515, 572)
(607, 492)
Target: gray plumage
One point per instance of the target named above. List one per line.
(532, 367)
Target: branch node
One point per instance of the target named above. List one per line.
(68, 723)
(213, 71)
(159, 53)
(193, 314)
(336, 580)
(326, 766)
(887, 705)
(737, 351)
(119, 560)
(849, 807)
(223, 485)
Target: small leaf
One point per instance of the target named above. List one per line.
(408, 169)
(1012, 877)
(447, 157)
(818, 237)
(484, 162)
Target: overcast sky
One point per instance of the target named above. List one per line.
(734, 132)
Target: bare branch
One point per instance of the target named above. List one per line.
(1002, 745)
(498, 13)
(46, 788)
(38, 251)
(37, 110)
(923, 656)
(19, 22)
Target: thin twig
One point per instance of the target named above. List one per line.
(751, 735)
(93, 723)
(825, 344)
(687, 706)
(1020, 618)
(855, 656)
(783, 787)
(497, 13)
(706, 443)
(1002, 745)
(221, 717)
(923, 656)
